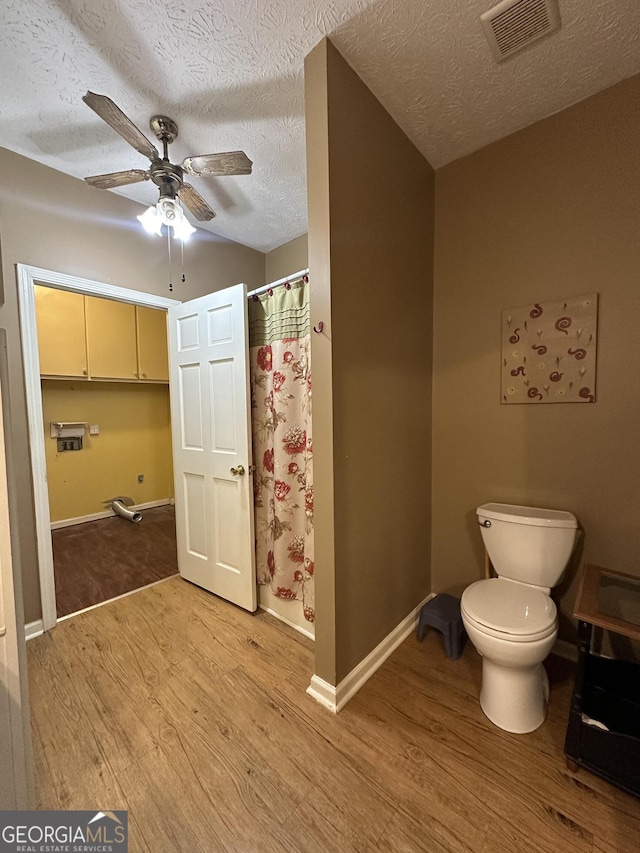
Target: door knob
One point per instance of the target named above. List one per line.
(239, 470)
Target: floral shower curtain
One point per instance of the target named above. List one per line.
(279, 341)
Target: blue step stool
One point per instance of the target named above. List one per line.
(443, 613)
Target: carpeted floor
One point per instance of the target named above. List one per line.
(99, 560)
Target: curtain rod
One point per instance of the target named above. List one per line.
(277, 283)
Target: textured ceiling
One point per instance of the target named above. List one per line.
(230, 73)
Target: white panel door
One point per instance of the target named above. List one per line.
(210, 414)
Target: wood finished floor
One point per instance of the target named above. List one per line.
(99, 560)
(193, 715)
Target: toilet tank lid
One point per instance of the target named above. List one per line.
(534, 516)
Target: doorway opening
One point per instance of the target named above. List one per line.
(107, 424)
(28, 278)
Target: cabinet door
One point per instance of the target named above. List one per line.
(61, 336)
(153, 362)
(111, 339)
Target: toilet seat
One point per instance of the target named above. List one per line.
(509, 610)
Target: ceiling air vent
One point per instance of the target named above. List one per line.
(513, 25)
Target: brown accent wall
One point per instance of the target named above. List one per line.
(371, 260)
(288, 258)
(53, 221)
(551, 211)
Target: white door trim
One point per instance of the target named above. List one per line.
(28, 276)
(16, 777)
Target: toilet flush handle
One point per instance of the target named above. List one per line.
(485, 523)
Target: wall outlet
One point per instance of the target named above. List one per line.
(94, 429)
(141, 478)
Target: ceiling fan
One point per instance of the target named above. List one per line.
(168, 177)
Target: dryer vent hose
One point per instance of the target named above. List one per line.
(120, 509)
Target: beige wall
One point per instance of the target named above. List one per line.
(551, 211)
(290, 257)
(50, 220)
(371, 260)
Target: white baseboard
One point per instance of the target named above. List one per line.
(33, 629)
(288, 622)
(335, 698)
(564, 649)
(324, 693)
(107, 513)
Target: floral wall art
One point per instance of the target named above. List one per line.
(549, 351)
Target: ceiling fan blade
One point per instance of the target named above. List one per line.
(117, 179)
(115, 118)
(196, 204)
(225, 163)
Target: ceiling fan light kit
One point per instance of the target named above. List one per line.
(150, 221)
(166, 212)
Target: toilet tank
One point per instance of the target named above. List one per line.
(526, 543)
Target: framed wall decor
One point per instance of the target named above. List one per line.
(549, 352)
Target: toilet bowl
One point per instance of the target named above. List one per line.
(511, 619)
(514, 690)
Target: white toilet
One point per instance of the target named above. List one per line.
(511, 619)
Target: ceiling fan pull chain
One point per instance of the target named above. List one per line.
(169, 251)
(183, 279)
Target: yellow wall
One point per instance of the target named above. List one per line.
(371, 259)
(135, 438)
(551, 211)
